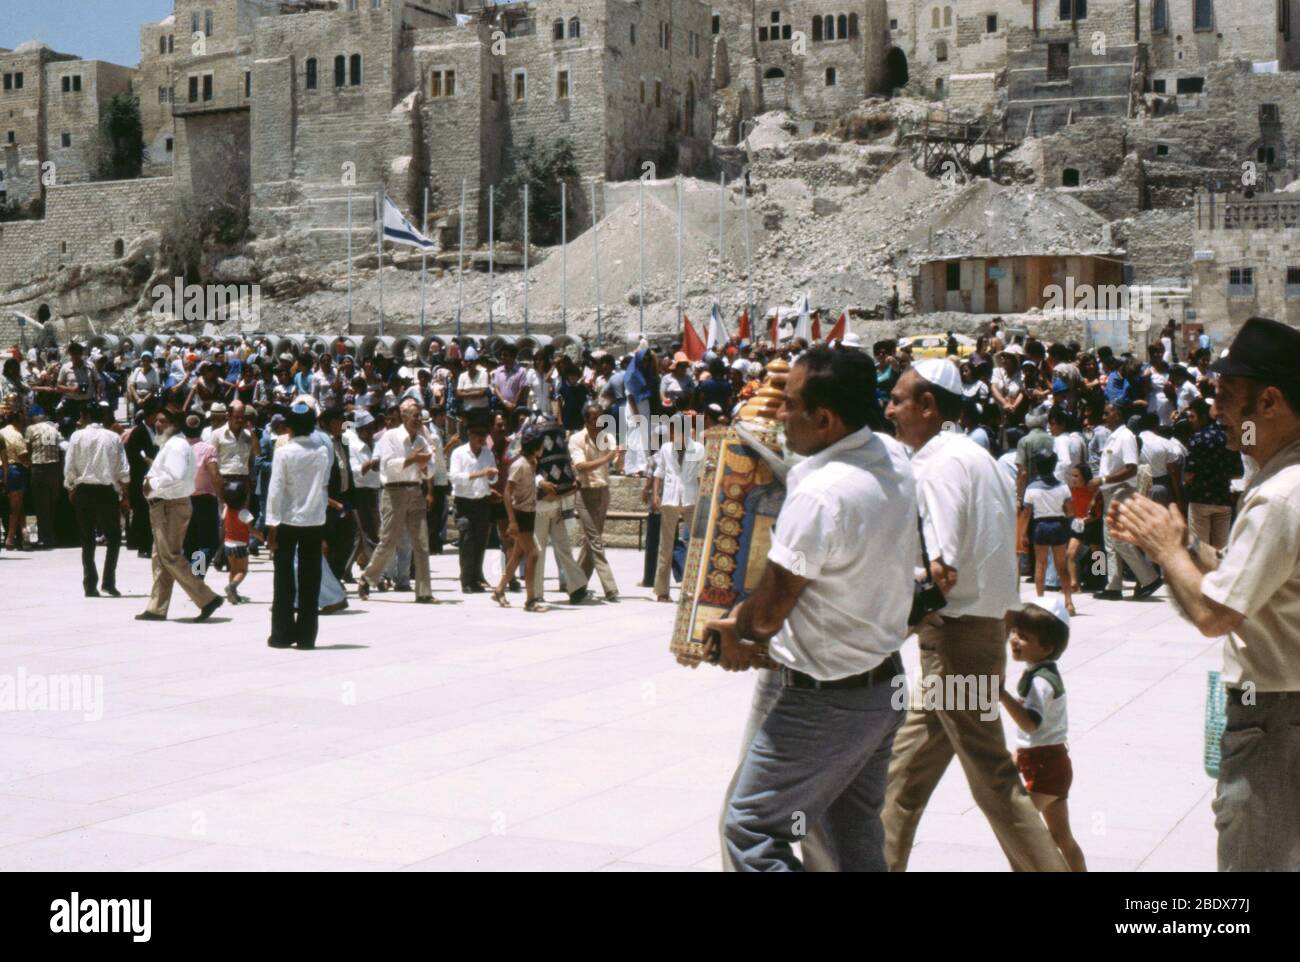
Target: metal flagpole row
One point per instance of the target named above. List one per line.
(424, 258)
(564, 258)
(679, 253)
(349, 260)
(460, 260)
(641, 247)
(379, 240)
(491, 250)
(525, 259)
(749, 267)
(595, 259)
(722, 219)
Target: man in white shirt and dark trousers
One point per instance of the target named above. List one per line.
(832, 604)
(968, 514)
(96, 474)
(403, 452)
(168, 487)
(1119, 465)
(473, 469)
(295, 516)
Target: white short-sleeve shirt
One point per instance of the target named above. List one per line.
(848, 524)
(1121, 450)
(1053, 724)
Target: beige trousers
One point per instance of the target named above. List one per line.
(169, 519)
(593, 505)
(402, 508)
(549, 524)
(1211, 523)
(929, 739)
(669, 516)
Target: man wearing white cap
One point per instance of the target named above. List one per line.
(472, 386)
(365, 478)
(968, 521)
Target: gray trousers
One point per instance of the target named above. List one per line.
(818, 760)
(1256, 811)
(1115, 550)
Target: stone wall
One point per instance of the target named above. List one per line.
(941, 38)
(156, 86)
(75, 114)
(1242, 28)
(82, 225)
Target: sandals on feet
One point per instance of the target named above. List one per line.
(500, 598)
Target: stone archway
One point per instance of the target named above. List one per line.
(896, 74)
(774, 92)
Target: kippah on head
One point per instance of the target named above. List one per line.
(940, 373)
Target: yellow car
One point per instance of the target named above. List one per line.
(936, 345)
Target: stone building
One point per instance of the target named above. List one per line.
(815, 58)
(1246, 261)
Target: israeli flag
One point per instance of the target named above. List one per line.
(399, 230)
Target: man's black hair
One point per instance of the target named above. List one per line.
(843, 382)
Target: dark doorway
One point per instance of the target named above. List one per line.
(1070, 177)
(895, 69)
(1058, 61)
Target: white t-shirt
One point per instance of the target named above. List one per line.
(466, 383)
(1048, 501)
(1043, 701)
(848, 524)
(1071, 450)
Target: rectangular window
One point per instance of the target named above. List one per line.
(194, 90)
(893, 23)
(66, 139)
(435, 83)
(495, 87)
(1241, 282)
(449, 83)
(1158, 86)
(248, 84)
(1058, 61)
(1268, 113)
(632, 35)
(1202, 15)
(1159, 16)
(207, 23)
(762, 34)
(312, 79)
(18, 81)
(67, 84)
(162, 95)
(717, 24)
(953, 279)
(1191, 85)
(642, 91)
(1074, 10)
(521, 86)
(207, 87)
(659, 93)
(9, 81)
(11, 137)
(171, 43)
(194, 24)
(991, 23)
(171, 145)
(562, 85)
(1292, 283)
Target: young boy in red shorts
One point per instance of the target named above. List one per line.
(1039, 637)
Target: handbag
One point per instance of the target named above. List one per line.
(926, 596)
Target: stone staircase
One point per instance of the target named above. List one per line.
(1094, 86)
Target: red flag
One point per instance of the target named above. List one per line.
(817, 325)
(744, 325)
(773, 328)
(840, 329)
(692, 343)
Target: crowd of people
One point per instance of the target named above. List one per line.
(1014, 457)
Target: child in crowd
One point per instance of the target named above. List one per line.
(1085, 521)
(237, 536)
(1049, 505)
(1039, 637)
(521, 513)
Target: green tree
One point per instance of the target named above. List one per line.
(542, 169)
(121, 139)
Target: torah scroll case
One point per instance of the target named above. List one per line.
(742, 488)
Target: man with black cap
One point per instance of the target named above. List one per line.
(96, 474)
(295, 516)
(968, 519)
(1250, 592)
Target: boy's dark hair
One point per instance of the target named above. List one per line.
(235, 495)
(1038, 622)
(1045, 465)
(531, 443)
(843, 382)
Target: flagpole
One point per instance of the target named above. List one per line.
(491, 251)
(749, 275)
(679, 252)
(525, 259)
(379, 238)
(641, 233)
(349, 260)
(460, 260)
(564, 259)
(722, 216)
(424, 258)
(595, 259)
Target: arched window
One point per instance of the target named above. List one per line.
(934, 18)
(941, 51)
(43, 312)
(311, 73)
(575, 28)
(947, 16)
(340, 70)
(557, 30)
(817, 29)
(356, 70)
(828, 27)
(119, 248)
(853, 25)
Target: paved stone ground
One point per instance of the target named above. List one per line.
(470, 737)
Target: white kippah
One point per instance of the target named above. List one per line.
(939, 373)
(1058, 611)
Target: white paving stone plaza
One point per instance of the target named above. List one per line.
(468, 737)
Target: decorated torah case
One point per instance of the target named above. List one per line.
(741, 492)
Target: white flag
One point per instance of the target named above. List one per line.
(718, 335)
(803, 329)
(399, 230)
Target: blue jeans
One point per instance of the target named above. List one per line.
(819, 759)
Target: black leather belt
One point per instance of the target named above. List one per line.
(403, 484)
(883, 673)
